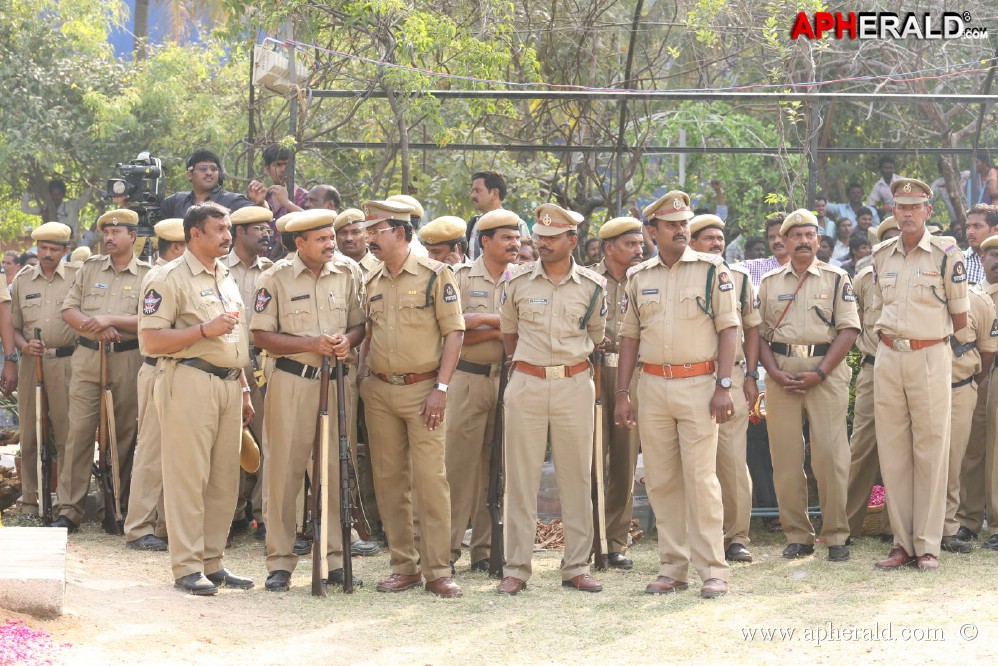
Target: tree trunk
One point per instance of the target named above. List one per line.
(141, 29)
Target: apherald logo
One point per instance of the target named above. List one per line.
(885, 25)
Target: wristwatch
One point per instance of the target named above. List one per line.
(754, 374)
(724, 382)
(440, 387)
(11, 357)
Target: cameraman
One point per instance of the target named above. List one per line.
(204, 171)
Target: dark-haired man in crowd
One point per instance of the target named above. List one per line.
(205, 173)
(488, 190)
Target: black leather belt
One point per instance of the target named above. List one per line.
(484, 369)
(228, 374)
(150, 360)
(868, 359)
(798, 351)
(963, 383)
(302, 370)
(127, 345)
(59, 352)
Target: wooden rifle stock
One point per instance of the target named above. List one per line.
(105, 461)
(320, 485)
(497, 479)
(600, 556)
(346, 495)
(42, 440)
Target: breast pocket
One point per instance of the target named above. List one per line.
(376, 311)
(928, 289)
(571, 321)
(650, 308)
(93, 299)
(337, 313)
(690, 301)
(410, 307)
(31, 313)
(297, 315)
(821, 307)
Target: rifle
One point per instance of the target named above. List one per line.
(107, 459)
(346, 496)
(42, 437)
(497, 480)
(320, 487)
(600, 562)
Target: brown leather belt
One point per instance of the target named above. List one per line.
(127, 345)
(902, 345)
(550, 371)
(406, 379)
(679, 371)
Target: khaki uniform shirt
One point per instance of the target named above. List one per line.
(614, 301)
(410, 315)
(37, 303)
(368, 262)
(291, 300)
(246, 276)
(479, 295)
(868, 303)
(151, 275)
(748, 309)
(824, 305)
(100, 290)
(183, 294)
(665, 308)
(917, 295)
(549, 318)
(981, 328)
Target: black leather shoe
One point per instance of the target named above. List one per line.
(736, 552)
(618, 561)
(798, 550)
(303, 546)
(956, 545)
(361, 548)
(964, 534)
(261, 532)
(991, 543)
(481, 565)
(225, 578)
(196, 584)
(278, 581)
(336, 578)
(147, 542)
(63, 521)
(837, 553)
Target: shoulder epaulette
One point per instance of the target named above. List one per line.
(592, 275)
(947, 245)
(866, 270)
(265, 262)
(831, 269)
(772, 272)
(738, 269)
(432, 264)
(714, 259)
(885, 244)
(644, 265)
(518, 270)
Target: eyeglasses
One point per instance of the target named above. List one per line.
(205, 168)
(375, 232)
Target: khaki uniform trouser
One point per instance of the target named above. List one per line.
(201, 424)
(825, 406)
(991, 463)
(145, 499)
(679, 443)
(84, 412)
(291, 407)
(961, 420)
(408, 457)
(732, 467)
(913, 395)
(864, 466)
(535, 409)
(58, 373)
(620, 450)
(470, 424)
(975, 474)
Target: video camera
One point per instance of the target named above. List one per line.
(142, 184)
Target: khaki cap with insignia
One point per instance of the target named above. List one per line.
(170, 229)
(53, 232)
(417, 208)
(990, 243)
(674, 206)
(497, 219)
(443, 229)
(619, 226)
(306, 220)
(80, 254)
(348, 217)
(703, 221)
(117, 218)
(552, 220)
(801, 217)
(251, 215)
(910, 191)
(282, 222)
(885, 226)
(379, 211)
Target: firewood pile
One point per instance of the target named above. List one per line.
(551, 536)
(10, 488)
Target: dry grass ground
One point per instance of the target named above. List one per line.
(122, 609)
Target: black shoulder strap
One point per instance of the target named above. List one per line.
(744, 294)
(584, 322)
(705, 303)
(429, 290)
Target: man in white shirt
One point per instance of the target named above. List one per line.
(67, 211)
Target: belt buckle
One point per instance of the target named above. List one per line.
(396, 380)
(800, 351)
(232, 374)
(109, 346)
(611, 359)
(305, 374)
(554, 372)
(49, 352)
(902, 345)
(667, 371)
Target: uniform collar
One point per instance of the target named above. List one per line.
(132, 267)
(60, 270)
(989, 288)
(925, 242)
(573, 273)
(231, 259)
(689, 254)
(788, 268)
(411, 263)
(297, 265)
(197, 267)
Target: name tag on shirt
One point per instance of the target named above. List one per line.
(30, 296)
(100, 285)
(207, 292)
(891, 274)
(537, 301)
(376, 298)
(785, 297)
(304, 297)
(646, 292)
(476, 292)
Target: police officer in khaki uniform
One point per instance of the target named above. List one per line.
(923, 286)
(864, 467)
(305, 309)
(246, 261)
(145, 524)
(191, 311)
(406, 363)
(622, 243)
(681, 322)
(707, 235)
(475, 386)
(989, 250)
(444, 240)
(102, 306)
(552, 315)
(36, 296)
(351, 239)
(974, 348)
(809, 323)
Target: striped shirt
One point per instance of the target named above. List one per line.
(758, 267)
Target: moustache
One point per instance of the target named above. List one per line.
(804, 247)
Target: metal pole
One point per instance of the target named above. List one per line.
(622, 117)
(293, 131)
(812, 155)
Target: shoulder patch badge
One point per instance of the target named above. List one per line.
(848, 294)
(450, 294)
(994, 329)
(263, 298)
(724, 281)
(959, 272)
(151, 302)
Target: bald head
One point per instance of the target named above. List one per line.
(323, 196)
